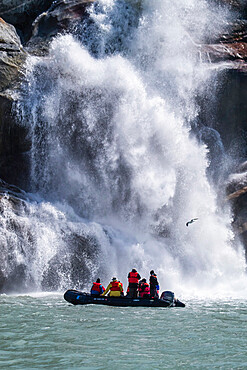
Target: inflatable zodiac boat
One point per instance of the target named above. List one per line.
(167, 300)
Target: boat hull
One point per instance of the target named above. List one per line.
(76, 297)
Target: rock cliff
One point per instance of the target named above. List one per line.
(13, 143)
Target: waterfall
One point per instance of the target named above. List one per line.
(117, 165)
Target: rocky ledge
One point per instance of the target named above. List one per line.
(12, 55)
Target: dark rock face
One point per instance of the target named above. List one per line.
(16, 281)
(237, 196)
(227, 114)
(230, 109)
(13, 143)
(231, 51)
(231, 46)
(12, 55)
(62, 16)
(231, 112)
(73, 264)
(21, 13)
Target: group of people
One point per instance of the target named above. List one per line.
(137, 287)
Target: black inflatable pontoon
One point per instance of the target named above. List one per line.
(75, 297)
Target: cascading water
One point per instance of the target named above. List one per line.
(116, 170)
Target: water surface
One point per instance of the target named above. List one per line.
(44, 331)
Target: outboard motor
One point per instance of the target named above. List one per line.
(168, 297)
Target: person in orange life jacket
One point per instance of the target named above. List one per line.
(133, 279)
(97, 288)
(153, 282)
(144, 289)
(115, 287)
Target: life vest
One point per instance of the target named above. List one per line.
(115, 286)
(144, 289)
(133, 277)
(96, 287)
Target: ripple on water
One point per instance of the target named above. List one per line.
(38, 332)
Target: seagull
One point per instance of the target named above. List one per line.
(191, 221)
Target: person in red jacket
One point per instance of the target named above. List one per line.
(133, 279)
(144, 289)
(97, 288)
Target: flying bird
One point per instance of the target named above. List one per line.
(191, 221)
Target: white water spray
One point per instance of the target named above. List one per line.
(112, 146)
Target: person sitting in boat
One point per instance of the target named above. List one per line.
(133, 279)
(115, 287)
(144, 289)
(97, 288)
(153, 282)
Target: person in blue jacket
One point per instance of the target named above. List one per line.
(97, 288)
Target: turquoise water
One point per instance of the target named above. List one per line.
(44, 331)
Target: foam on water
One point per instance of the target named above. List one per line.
(113, 151)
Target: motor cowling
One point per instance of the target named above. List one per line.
(168, 297)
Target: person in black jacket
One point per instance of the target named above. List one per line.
(153, 282)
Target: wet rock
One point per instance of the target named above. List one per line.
(231, 48)
(16, 194)
(13, 141)
(223, 52)
(237, 196)
(17, 280)
(76, 264)
(14, 145)
(237, 5)
(2, 280)
(12, 56)
(21, 13)
(231, 45)
(226, 110)
(242, 167)
(61, 17)
(231, 112)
